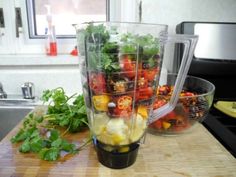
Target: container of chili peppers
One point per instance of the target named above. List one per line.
(120, 66)
(193, 105)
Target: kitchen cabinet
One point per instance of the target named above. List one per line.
(196, 153)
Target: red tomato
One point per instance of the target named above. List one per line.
(122, 112)
(97, 83)
(164, 90)
(188, 94)
(157, 124)
(158, 103)
(128, 67)
(149, 74)
(171, 115)
(144, 93)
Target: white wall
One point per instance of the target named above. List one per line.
(173, 12)
(44, 72)
(48, 73)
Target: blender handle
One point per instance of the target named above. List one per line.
(189, 42)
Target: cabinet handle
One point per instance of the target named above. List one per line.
(18, 21)
(2, 23)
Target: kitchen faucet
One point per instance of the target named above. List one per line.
(3, 94)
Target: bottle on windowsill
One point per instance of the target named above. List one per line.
(51, 42)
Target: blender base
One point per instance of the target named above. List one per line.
(116, 160)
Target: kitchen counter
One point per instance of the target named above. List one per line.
(196, 153)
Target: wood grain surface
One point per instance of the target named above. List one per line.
(196, 153)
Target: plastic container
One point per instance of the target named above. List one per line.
(193, 105)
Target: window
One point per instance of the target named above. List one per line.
(63, 14)
(29, 37)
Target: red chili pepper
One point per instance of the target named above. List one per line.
(124, 102)
(97, 83)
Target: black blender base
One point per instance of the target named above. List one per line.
(116, 160)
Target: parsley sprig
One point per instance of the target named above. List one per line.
(40, 132)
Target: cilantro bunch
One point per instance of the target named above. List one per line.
(64, 114)
(41, 132)
(103, 47)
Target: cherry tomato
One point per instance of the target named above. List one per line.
(97, 83)
(149, 74)
(171, 115)
(157, 124)
(188, 94)
(158, 103)
(122, 112)
(144, 93)
(128, 67)
(164, 90)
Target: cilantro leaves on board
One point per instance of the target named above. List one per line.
(40, 132)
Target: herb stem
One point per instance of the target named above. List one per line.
(85, 144)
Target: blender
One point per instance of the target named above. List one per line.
(120, 66)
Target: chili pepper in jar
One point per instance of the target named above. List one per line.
(128, 66)
(121, 106)
(97, 83)
(124, 102)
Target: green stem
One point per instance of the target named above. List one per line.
(84, 144)
(66, 131)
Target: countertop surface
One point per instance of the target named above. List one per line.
(196, 153)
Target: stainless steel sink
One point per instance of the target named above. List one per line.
(12, 110)
(18, 100)
(10, 116)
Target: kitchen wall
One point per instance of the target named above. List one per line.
(45, 72)
(51, 72)
(173, 12)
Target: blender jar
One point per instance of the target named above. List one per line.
(120, 67)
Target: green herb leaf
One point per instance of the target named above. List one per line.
(57, 143)
(49, 154)
(36, 144)
(54, 135)
(68, 146)
(25, 147)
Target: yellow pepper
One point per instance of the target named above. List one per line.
(166, 125)
(100, 102)
(142, 110)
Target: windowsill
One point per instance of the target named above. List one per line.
(37, 60)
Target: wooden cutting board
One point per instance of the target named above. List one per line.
(196, 153)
